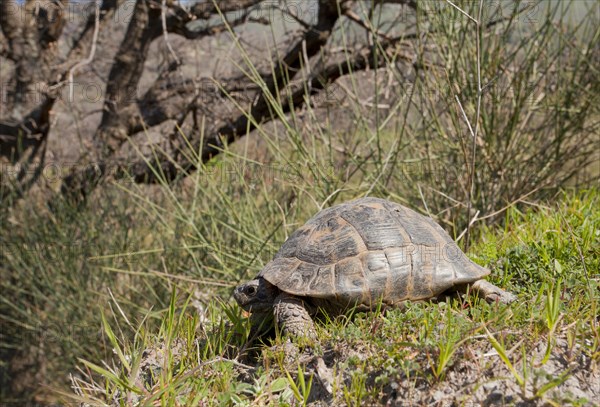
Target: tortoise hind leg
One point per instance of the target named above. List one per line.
(489, 292)
(293, 318)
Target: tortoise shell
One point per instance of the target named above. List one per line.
(367, 250)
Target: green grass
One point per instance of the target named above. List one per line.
(422, 344)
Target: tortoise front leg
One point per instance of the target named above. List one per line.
(491, 293)
(293, 318)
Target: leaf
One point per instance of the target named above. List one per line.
(557, 381)
(502, 353)
(114, 342)
(557, 266)
(110, 376)
(279, 385)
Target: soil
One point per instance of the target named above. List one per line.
(478, 377)
(475, 377)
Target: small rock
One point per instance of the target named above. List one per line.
(489, 387)
(438, 395)
(324, 374)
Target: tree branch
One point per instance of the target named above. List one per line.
(83, 41)
(121, 89)
(174, 100)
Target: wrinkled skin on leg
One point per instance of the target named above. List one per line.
(293, 318)
(489, 292)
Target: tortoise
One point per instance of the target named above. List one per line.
(362, 253)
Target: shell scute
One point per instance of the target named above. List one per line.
(419, 231)
(375, 225)
(400, 275)
(322, 285)
(280, 270)
(350, 283)
(301, 278)
(332, 240)
(377, 273)
(297, 240)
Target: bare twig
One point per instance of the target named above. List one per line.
(423, 199)
(477, 114)
(347, 11)
(472, 131)
(499, 211)
(465, 13)
(464, 232)
(163, 17)
(297, 19)
(464, 116)
(90, 57)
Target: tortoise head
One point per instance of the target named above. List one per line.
(257, 295)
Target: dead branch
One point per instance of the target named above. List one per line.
(124, 114)
(85, 37)
(171, 99)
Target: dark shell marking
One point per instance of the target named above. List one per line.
(367, 250)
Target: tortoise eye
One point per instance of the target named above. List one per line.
(251, 290)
